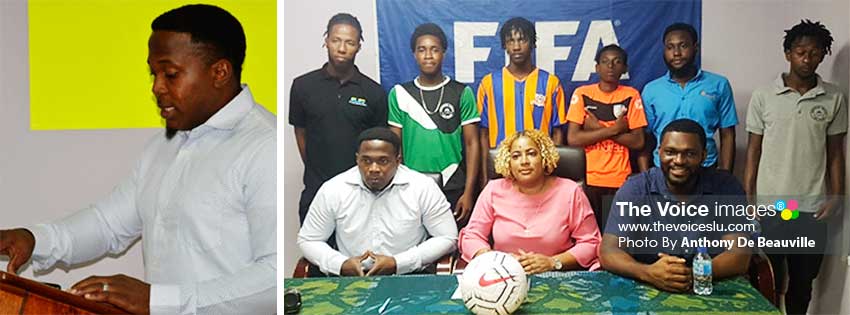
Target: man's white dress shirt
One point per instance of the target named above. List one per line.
(204, 205)
(396, 221)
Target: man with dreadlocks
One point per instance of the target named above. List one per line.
(520, 96)
(796, 142)
(330, 106)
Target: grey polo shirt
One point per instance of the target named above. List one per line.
(795, 128)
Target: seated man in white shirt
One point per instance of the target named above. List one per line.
(383, 214)
(201, 197)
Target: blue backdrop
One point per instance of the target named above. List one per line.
(569, 34)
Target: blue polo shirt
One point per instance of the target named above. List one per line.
(706, 99)
(650, 188)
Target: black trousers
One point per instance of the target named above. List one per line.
(801, 267)
(801, 270)
(600, 200)
(307, 196)
(452, 196)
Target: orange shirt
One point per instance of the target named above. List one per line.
(607, 161)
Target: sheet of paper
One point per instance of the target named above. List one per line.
(456, 295)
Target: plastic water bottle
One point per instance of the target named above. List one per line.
(702, 272)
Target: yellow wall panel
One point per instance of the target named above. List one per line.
(88, 60)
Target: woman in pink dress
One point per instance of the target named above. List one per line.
(543, 220)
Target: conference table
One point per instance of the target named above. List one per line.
(577, 292)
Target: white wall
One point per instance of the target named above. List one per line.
(741, 40)
(46, 175)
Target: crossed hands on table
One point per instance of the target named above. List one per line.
(381, 265)
(669, 273)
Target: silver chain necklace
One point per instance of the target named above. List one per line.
(425, 106)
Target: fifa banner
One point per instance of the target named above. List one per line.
(569, 33)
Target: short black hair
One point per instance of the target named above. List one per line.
(616, 48)
(679, 26)
(380, 133)
(211, 26)
(686, 126)
(807, 28)
(521, 25)
(428, 29)
(345, 18)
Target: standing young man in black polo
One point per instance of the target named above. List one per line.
(330, 106)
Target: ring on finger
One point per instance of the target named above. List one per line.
(105, 287)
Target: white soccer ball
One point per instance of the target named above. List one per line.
(493, 283)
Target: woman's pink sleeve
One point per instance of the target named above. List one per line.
(476, 234)
(586, 232)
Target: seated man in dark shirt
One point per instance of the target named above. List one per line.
(648, 238)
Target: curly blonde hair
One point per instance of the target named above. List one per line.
(548, 152)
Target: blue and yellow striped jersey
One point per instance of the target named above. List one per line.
(508, 105)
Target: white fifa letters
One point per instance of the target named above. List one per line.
(599, 31)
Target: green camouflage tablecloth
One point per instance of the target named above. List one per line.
(580, 292)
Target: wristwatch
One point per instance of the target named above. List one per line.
(558, 264)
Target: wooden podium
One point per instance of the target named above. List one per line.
(22, 296)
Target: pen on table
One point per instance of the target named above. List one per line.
(384, 307)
